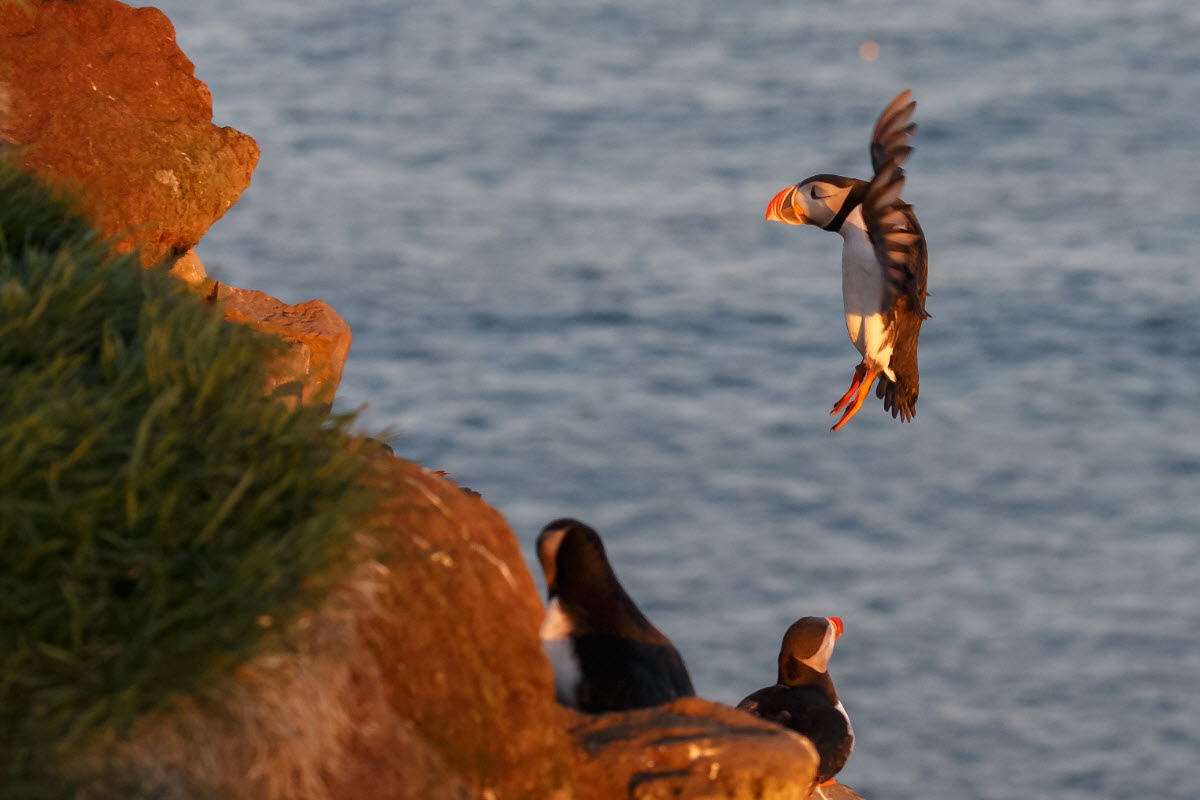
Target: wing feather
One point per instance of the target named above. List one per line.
(891, 224)
(890, 138)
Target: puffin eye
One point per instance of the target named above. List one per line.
(816, 195)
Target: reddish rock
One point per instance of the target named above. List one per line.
(835, 791)
(420, 677)
(317, 338)
(188, 267)
(97, 99)
(690, 749)
(458, 626)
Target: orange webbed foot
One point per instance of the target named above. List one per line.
(859, 372)
(863, 385)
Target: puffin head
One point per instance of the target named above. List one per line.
(573, 559)
(580, 579)
(808, 643)
(821, 200)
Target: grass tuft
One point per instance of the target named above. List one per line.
(155, 507)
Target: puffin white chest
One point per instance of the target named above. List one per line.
(849, 727)
(560, 650)
(863, 295)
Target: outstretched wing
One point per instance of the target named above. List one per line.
(890, 138)
(891, 224)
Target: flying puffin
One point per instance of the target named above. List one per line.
(884, 262)
(804, 699)
(606, 654)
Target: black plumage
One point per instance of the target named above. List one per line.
(624, 662)
(803, 698)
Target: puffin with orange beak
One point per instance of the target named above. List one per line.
(803, 698)
(885, 263)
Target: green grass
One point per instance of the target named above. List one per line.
(154, 505)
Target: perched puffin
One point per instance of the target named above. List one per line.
(884, 262)
(804, 698)
(606, 654)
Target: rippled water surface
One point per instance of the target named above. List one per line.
(544, 222)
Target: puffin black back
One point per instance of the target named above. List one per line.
(617, 659)
(621, 674)
(807, 710)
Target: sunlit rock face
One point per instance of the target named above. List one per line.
(318, 342)
(691, 748)
(420, 677)
(96, 98)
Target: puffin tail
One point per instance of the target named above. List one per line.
(898, 398)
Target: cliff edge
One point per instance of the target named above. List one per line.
(419, 672)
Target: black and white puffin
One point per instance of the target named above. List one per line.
(804, 699)
(884, 262)
(606, 654)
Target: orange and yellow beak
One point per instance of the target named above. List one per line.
(782, 210)
(837, 626)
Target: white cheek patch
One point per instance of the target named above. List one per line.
(824, 208)
(820, 659)
(548, 551)
(821, 208)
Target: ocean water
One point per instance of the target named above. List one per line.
(544, 222)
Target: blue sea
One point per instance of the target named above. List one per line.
(544, 222)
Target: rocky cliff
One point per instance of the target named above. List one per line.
(421, 674)
(97, 99)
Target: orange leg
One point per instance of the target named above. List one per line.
(863, 388)
(859, 372)
(829, 782)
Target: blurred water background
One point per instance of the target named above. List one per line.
(544, 222)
